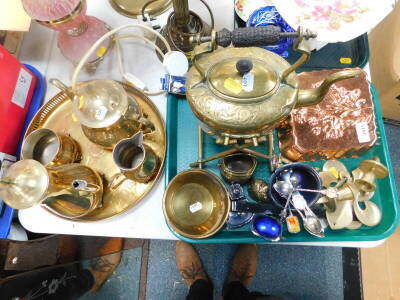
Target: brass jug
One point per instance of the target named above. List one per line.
(106, 113)
(243, 93)
(71, 190)
(136, 160)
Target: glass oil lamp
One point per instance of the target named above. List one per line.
(77, 31)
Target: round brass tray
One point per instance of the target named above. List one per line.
(57, 115)
(133, 8)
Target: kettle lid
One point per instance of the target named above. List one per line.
(242, 79)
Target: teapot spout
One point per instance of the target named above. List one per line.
(5, 183)
(68, 91)
(314, 96)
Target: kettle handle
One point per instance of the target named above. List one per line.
(300, 47)
(210, 48)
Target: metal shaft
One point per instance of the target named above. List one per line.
(181, 10)
(200, 146)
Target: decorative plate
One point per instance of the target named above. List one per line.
(334, 20)
(244, 8)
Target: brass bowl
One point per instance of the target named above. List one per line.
(196, 204)
(237, 167)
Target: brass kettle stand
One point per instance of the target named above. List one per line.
(275, 160)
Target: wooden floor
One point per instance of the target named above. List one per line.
(381, 270)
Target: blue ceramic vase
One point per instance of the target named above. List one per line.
(268, 15)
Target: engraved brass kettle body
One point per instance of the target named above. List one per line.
(241, 94)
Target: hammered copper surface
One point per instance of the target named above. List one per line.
(328, 130)
(57, 115)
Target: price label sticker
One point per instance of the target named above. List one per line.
(293, 224)
(363, 132)
(195, 207)
(346, 60)
(248, 82)
(81, 102)
(22, 88)
(101, 112)
(74, 118)
(232, 85)
(101, 51)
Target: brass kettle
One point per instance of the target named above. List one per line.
(241, 94)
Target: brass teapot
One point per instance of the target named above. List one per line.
(70, 191)
(241, 94)
(106, 113)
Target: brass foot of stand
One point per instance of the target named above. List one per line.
(275, 160)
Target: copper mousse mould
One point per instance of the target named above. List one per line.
(241, 93)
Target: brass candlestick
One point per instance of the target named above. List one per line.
(182, 25)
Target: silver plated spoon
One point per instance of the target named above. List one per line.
(310, 221)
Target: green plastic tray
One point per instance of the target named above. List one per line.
(350, 54)
(182, 150)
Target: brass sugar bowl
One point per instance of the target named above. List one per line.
(241, 94)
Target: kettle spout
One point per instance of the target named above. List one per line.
(314, 96)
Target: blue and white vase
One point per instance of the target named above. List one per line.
(268, 15)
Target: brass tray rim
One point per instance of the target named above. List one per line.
(162, 9)
(60, 98)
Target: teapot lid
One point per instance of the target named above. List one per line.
(242, 79)
(99, 103)
(27, 182)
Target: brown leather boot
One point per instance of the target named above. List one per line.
(244, 264)
(102, 267)
(189, 263)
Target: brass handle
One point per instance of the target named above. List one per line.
(148, 125)
(57, 83)
(211, 46)
(300, 47)
(114, 184)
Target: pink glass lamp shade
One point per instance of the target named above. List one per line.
(77, 31)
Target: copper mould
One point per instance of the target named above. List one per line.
(341, 125)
